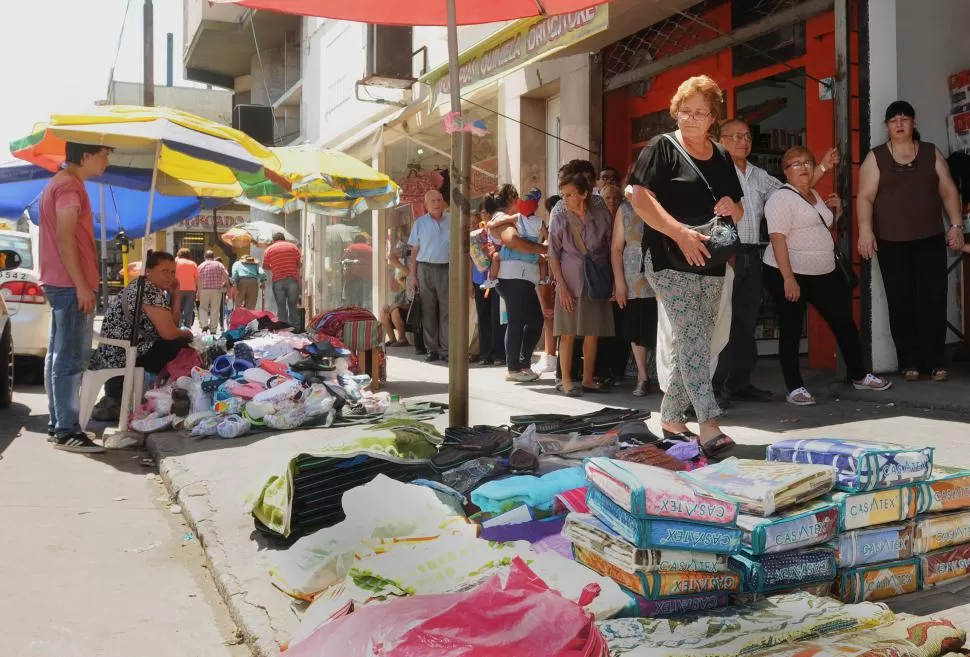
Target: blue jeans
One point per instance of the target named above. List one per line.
(286, 291)
(67, 357)
(739, 358)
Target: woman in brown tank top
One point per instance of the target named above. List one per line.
(904, 187)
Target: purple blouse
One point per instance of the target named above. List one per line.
(597, 234)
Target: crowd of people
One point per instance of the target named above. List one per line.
(629, 267)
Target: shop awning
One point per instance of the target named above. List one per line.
(516, 46)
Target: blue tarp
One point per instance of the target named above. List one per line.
(125, 199)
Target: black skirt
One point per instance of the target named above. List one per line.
(640, 322)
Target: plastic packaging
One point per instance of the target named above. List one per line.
(527, 441)
(467, 475)
(317, 400)
(161, 399)
(193, 419)
(152, 423)
(282, 391)
(232, 405)
(286, 420)
(395, 409)
(208, 426)
(232, 426)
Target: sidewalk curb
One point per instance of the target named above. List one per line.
(899, 396)
(252, 620)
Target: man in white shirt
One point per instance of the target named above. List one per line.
(430, 244)
(732, 379)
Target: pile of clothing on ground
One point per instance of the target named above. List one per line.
(259, 375)
(589, 535)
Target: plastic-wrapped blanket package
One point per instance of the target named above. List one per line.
(944, 565)
(820, 589)
(862, 547)
(590, 533)
(640, 607)
(765, 488)
(803, 526)
(942, 530)
(860, 465)
(773, 572)
(878, 581)
(645, 491)
(663, 534)
(660, 585)
(947, 490)
(858, 510)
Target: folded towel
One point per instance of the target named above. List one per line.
(802, 526)
(648, 492)
(662, 533)
(948, 489)
(858, 510)
(941, 530)
(861, 465)
(774, 572)
(765, 488)
(660, 585)
(590, 533)
(944, 565)
(861, 547)
(878, 581)
(536, 492)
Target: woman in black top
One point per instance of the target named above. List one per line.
(670, 197)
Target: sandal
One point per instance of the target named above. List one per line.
(940, 374)
(713, 448)
(684, 435)
(575, 391)
(600, 389)
(800, 397)
(911, 375)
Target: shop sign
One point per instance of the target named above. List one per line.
(515, 46)
(203, 222)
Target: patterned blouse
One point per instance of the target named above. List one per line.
(636, 283)
(117, 324)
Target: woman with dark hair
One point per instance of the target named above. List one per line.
(518, 276)
(584, 229)
(158, 335)
(904, 188)
(800, 270)
(682, 180)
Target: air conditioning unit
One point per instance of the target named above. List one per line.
(389, 52)
(256, 121)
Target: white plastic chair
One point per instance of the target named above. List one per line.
(93, 380)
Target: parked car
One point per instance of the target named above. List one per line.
(9, 260)
(30, 314)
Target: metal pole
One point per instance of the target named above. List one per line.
(842, 106)
(151, 206)
(458, 256)
(104, 252)
(148, 76)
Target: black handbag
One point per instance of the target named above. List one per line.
(598, 277)
(842, 264)
(724, 242)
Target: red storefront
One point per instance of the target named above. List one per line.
(775, 86)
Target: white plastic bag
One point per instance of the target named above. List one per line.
(232, 426)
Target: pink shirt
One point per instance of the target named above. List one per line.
(188, 274)
(810, 247)
(66, 191)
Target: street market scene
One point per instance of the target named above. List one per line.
(581, 328)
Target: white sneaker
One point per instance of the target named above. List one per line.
(522, 377)
(873, 382)
(546, 363)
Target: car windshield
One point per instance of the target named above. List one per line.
(22, 246)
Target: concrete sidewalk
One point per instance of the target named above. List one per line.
(211, 478)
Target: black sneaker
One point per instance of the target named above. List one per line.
(431, 357)
(78, 443)
(51, 436)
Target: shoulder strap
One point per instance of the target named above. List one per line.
(690, 161)
(805, 200)
(577, 235)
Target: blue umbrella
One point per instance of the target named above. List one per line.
(126, 198)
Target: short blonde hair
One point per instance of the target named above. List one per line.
(699, 84)
(794, 152)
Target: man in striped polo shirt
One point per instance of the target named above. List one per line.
(283, 259)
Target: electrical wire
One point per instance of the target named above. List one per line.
(259, 59)
(527, 125)
(121, 35)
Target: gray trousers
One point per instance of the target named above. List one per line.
(287, 291)
(433, 283)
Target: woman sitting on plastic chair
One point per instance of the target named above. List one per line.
(159, 338)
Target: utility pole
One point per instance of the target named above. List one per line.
(148, 78)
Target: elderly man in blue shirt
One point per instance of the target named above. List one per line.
(428, 275)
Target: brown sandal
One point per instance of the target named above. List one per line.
(715, 447)
(911, 375)
(940, 374)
